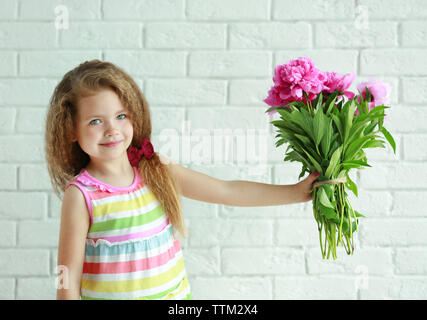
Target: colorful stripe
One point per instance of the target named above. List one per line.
(132, 265)
(130, 249)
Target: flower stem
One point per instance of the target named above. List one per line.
(354, 216)
(348, 244)
(320, 239)
(334, 246)
(342, 214)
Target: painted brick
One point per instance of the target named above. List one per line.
(318, 9)
(315, 288)
(23, 205)
(220, 10)
(350, 35)
(265, 261)
(52, 64)
(271, 35)
(24, 262)
(106, 35)
(185, 35)
(229, 64)
(232, 288)
(393, 62)
(144, 10)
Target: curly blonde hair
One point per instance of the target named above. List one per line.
(65, 158)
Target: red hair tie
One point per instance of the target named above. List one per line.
(135, 154)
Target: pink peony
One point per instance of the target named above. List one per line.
(341, 83)
(379, 90)
(292, 79)
(274, 98)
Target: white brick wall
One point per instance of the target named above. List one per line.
(209, 63)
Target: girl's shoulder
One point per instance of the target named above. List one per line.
(165, 160)
(83, 179)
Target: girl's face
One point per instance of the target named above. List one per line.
(102, 119)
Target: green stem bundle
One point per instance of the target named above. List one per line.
(332, 230)
(329, 137)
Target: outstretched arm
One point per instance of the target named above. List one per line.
(254, 194)
(201, 187)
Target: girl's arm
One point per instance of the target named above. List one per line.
(199, 186)
(75, 221)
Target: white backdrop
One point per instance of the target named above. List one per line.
(205, 66)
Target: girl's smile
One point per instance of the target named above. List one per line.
(111, 144)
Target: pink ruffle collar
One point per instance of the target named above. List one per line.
(85, 178)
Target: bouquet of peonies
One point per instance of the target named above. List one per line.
(327, 128)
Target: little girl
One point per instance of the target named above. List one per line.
(121, 207)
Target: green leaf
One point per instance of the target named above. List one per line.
(349, 109)
(314, 162)
(330, 103)
(358, 214)
(295, 105)
(292, 156)
(364, 118)
(326, 208)
(284, 112)
(329, 213)
(305, 118)
(300, 120)
(370, 127)
(368, 95)
(354, 164)
(278, 123)
(318, 126)
(346, 165)
(303, 171)
(338, 124)
(280, 142)
(346, 229)
(297, 157)
(327, 137)
(354, 147)
(328, 189)
(323, 197)
(317, 103)
(324, 163)
(356, 132)
(287, 136)
(272, 108)
(378, 110)
(374, 144)
(289, 126)
(351, 185)
(335, 159)
(389, 138)
(307, 142)
(360, 108)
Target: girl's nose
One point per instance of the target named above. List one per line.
(110, 129)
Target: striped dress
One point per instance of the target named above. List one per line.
(130, 249)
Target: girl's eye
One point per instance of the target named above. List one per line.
(92, 122)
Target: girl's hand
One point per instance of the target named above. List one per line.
(304, 187)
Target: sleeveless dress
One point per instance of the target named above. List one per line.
(130, 249)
